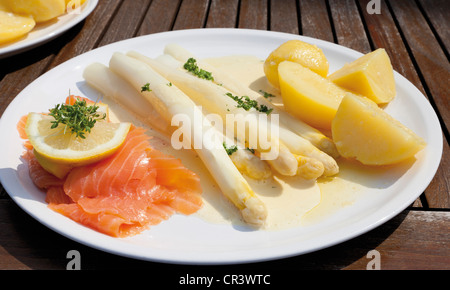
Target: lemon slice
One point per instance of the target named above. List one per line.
(58, 150)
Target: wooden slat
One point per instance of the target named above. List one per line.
(435, 70)
(349, 26)
(192, 14)
(253, 14)
(20, 70)
(88, 37)
(160, 16)
(315, 20)
(431, 60)
(438, 192)
(126, 22)
(283, 16)
(384, 34)
(19, 77)
(223, 14)
(437, 12)
(408, 242)
(19, 249)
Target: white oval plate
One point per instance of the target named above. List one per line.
(46, 32)
(189, 240)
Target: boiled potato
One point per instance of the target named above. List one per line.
(363, 131)
(40, 10)
(370, 75)
(297, 51)
(14, 26)
(73, 3)
(309, 96)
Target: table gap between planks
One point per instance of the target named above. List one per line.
(415, 34)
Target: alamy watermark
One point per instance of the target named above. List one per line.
(373, 7)
(375, 262)
(75, 260)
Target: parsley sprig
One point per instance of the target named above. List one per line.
(146, 88)
(230, 150)
(246, 103)
(191, 66)
(266, 94)
(78, 118)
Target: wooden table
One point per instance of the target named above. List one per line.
(416, 35)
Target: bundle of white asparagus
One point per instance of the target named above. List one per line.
(157, 90)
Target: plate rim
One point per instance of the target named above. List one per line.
(196, 260)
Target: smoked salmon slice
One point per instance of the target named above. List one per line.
(40, 177)
(125, 193)
(21, 127)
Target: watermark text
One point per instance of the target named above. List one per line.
(375, 260)
(373, 7)
(75, 260)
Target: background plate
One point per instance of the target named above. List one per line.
(44, 33)
(188, 239)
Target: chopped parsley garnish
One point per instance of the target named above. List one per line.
(230, 150)
(79, 117)
(246, 103)
(251, 150)
(265, 109)
(191, 66)
(146, 88)
(266, 94)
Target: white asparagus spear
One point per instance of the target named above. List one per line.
(111, 85)
(313, 135)
(284, 163)
(294, 142)
(213, 97)
(246, 161)
(100, 77)
(172, 101)
(300, 146)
